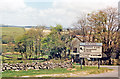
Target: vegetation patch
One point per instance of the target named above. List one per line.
(9, 34)
(32, 73)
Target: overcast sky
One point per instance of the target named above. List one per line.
(48, 12)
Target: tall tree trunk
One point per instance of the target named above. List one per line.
(36, 48)
(65, 53)
(30, 51)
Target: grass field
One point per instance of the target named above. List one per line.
(14, 59)
(32, 73)
(15, 56)
(11, 32)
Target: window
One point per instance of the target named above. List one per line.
(74, 50)
(81, 48)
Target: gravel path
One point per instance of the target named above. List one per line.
(106, 74)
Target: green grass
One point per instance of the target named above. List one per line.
(15, 56)
(12, 31)
(90, 70)
(9, 33)
(14, 59)
(19, 56)
(22, 61)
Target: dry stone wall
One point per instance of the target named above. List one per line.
(34, 66)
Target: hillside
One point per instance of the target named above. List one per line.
(10, 33)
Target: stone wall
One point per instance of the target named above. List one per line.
(34, 66)
(91, 63)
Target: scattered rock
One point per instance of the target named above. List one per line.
(69, 68)
(74, 69)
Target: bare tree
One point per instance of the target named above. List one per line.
(81, 28)
(104, 25)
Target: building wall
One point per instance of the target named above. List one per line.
(119, 11)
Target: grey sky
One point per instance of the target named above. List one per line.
(48, 12)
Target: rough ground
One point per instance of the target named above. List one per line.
(107, 74)
(113, 73)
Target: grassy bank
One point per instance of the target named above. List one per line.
(10, 34)
(88, 70)
(14, 60)
(12, 31)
